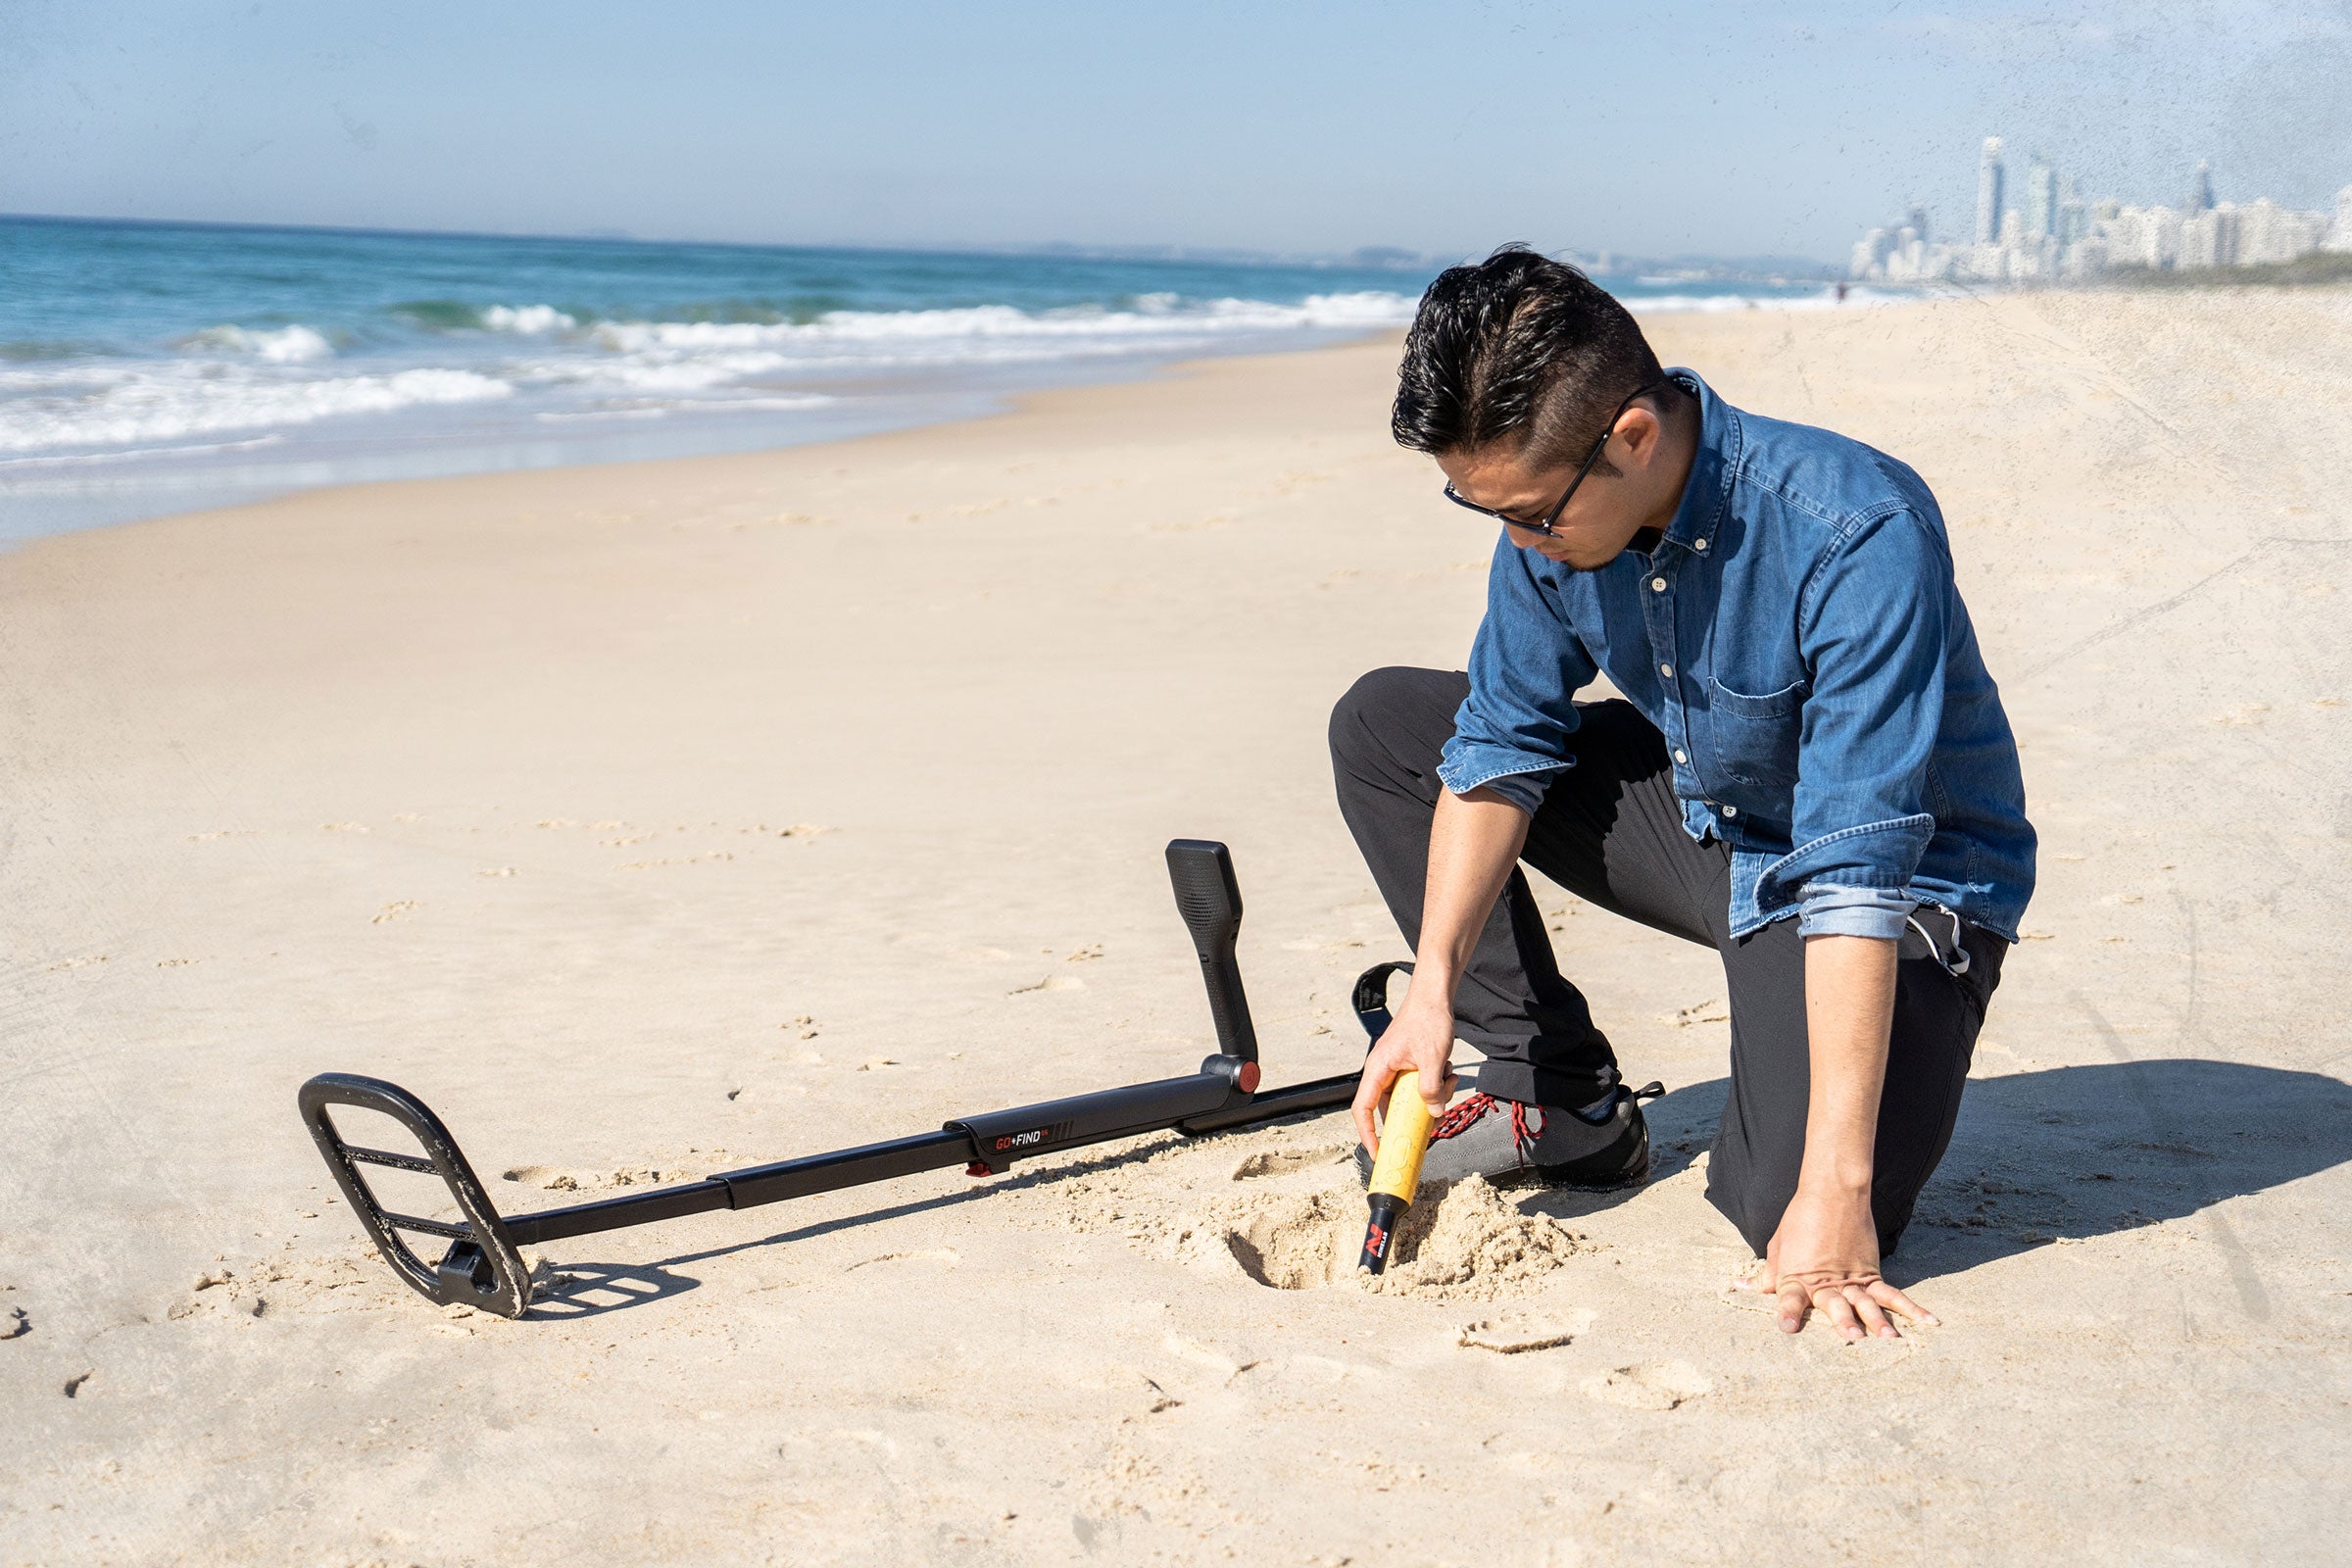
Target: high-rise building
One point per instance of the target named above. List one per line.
(1990, 191)
(2200, 189)
(2340, 233)
(1870, 254)
(2074, 218)
(1916, 220)
(2042, 198)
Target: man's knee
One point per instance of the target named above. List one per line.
(1378, 700)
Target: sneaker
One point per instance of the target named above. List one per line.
(1596, 1149)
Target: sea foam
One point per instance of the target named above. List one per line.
(530, 319)
(285, 345)
(139, 407)
(231, 379)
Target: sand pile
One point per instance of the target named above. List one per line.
(1298, 1221)
(1470, 1242)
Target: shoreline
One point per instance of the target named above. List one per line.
(879, 407)
(216, 468)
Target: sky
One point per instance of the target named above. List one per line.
(1287, 126)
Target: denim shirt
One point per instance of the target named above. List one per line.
(1797, 638)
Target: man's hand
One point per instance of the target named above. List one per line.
(1420, 1039)
(1825, 1258)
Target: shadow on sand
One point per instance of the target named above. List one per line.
(586, 1289)
(2067, 1152)
(2075, 1153)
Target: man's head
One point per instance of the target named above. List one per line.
(1511, 374)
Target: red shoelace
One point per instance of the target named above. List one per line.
(1461, 1118)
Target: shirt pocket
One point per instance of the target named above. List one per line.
(1755, 737)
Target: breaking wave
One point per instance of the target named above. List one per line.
(285, 345)
(134, 407)
(230, 378)
(527, 318)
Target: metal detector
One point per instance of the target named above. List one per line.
(482, 1268)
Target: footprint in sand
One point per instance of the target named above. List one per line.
(1517, 1333)
(1651, 1385)
(1052, 982)
(944, 1256)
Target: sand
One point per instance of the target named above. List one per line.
(662, 818)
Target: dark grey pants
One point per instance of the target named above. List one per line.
(1610, 831)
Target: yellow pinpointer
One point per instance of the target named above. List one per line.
(1396, 1172)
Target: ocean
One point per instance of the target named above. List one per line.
(147, 368)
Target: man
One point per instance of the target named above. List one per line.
(1810, 772)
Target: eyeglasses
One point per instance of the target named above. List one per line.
(1553, 515)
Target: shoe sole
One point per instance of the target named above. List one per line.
(1583, 1184)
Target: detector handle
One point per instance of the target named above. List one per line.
(1210, 901)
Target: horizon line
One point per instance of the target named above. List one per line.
(1408, 260)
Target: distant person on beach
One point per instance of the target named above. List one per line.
(1809, 771)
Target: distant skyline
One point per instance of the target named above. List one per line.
(2048, 229)
(1681, 129)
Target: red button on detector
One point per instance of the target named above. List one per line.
(1248, 1078)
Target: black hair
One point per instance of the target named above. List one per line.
(1519, 350)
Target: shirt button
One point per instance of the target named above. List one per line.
(1731, 811)
(1682, 757)
(1666, 671)
(1657, 585)
(1698, 544)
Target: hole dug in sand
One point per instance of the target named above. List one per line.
(1466, 1241)
(1294, 1243)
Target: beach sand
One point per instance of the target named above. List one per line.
(669, 817)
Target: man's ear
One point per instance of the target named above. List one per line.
(1640, 431)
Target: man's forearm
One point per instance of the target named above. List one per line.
(1474, 841)
(1849, 1007)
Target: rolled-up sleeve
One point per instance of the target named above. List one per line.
(1512, 733)
(1873, 634)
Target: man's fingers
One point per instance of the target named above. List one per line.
(1791, 1307)
(1873, 1319)
(1438, 1101)
(1834, 1305)
(1894, 1300)
(1368, 1095)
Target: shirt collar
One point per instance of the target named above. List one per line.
(1709, 487)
